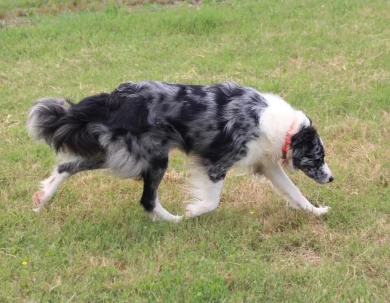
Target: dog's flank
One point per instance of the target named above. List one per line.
(131, 131)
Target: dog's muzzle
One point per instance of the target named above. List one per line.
(326, 171)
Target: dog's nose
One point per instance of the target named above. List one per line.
(330, 179)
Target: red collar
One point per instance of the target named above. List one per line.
(287, 142)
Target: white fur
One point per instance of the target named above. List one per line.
(206, 194)
(275, 123)
(266, 152)
(48, 188)
(326, 169)
(160, 213)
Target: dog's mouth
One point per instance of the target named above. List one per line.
(326, 180)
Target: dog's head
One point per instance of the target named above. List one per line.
(307, 154)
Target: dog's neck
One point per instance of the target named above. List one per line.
(287, 141)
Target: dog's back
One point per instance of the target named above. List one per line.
(145, 116)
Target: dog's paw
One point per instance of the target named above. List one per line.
(197, 209)
(176, 218)
(322, 210)
(155, 216)
(193, 210)
(37, 197)
(172, 218)
(38, 200)
(190, 211)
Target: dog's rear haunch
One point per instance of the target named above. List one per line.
(131, 131)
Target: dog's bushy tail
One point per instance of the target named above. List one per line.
(68, 127)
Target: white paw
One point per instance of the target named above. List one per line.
(197, 209)
(191, 211)
(39, 200)
(176, 218)
(164, 217)
(319, 211)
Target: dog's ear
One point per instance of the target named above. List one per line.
(303, 140)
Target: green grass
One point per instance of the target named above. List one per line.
(94, 243)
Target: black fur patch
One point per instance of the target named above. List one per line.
(308, 152)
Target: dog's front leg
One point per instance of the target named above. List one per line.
(282, 182)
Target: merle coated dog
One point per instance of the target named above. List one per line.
(131, 131)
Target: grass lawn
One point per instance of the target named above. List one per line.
(94, 243)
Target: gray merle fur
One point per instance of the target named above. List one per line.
(132, 129)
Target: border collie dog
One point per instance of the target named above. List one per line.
(131, 131)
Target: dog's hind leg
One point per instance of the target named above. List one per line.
(62, 172)
(206, 191)
(282, 182)
(149, 200)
